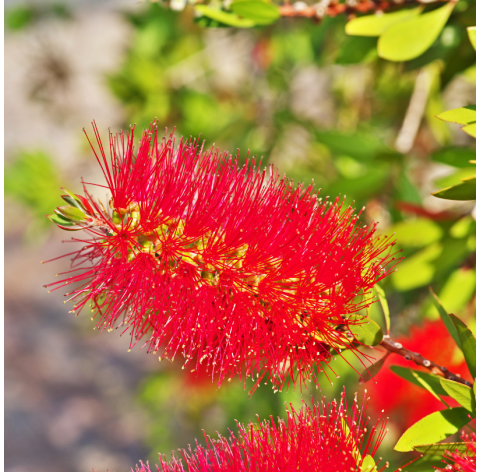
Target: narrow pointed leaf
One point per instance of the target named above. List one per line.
(464, 191)
(372, 370)
(375, 25)
(384, 306)
(461, 393)
(60, 220)
(427, 386)
(430, 379)
(468, 343)
(436, 449)
(408, 39)
(71, 213)
(445, 317)
(433, 428)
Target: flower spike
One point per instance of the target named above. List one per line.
(235, 269)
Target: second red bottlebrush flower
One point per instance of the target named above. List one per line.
(326, 438)
(233, 268)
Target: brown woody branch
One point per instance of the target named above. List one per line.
(333, 8)
(397, 348)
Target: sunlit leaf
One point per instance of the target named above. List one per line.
(462, 116)
(262, 13)
(433, 428)
(410, 38)
(426, 385)
(375, 25)
(229, 19)
(416, 233)
(461, 393)
(468, 343)
(470, 129)
(368, 464)
(466, 190)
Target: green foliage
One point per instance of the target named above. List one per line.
(446, 319)
(436, 449)
(472, 35)
(385, 307)
(258, 11)
(463, 116)
(32, 180)
(432, 428)
(467, 343)
(461, 393)
(427, 379)
(372, 370)
(224, 17)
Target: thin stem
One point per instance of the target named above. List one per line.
(397, 348)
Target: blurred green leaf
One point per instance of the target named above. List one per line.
(416, 233)
(436, 449)
(261, 12)
(458, 289)
(356, 50)
(17, 18)
(472, 35)
(445, 317)
(408, 39)
(454, 156)
(427, 464)
(454, 178)
(468, 343)
(429, 379)
(418, 269)
(461, 393)
(375, 25)
(224, 17)
(367, 331)
(466, 190)
(433, 428)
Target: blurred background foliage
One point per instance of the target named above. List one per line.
(322, 106)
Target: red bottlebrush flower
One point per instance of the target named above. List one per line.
(463, 461)
(326, 438)
(232, 267)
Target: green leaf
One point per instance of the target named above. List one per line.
(435, 449)
(468, 343)
(430, 379)
(462, 116)
(260, 12)
(433, 428)
(224, 17)
(427, 463)
(368, 464)
(427, 386)
(416, 233)
(472, 35)
(372, 370)
(466, 190)
(410, 38)
(384, 306)
(461, 393)
(474, 388)
(60, 220)
(367, 331)
(71, 213)
(446, 319)
(375, 25)
(470, 129)
(454, 156)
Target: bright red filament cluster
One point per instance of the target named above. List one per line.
(232, 267)
(326, 438)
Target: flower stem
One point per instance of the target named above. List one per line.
(397, 348)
